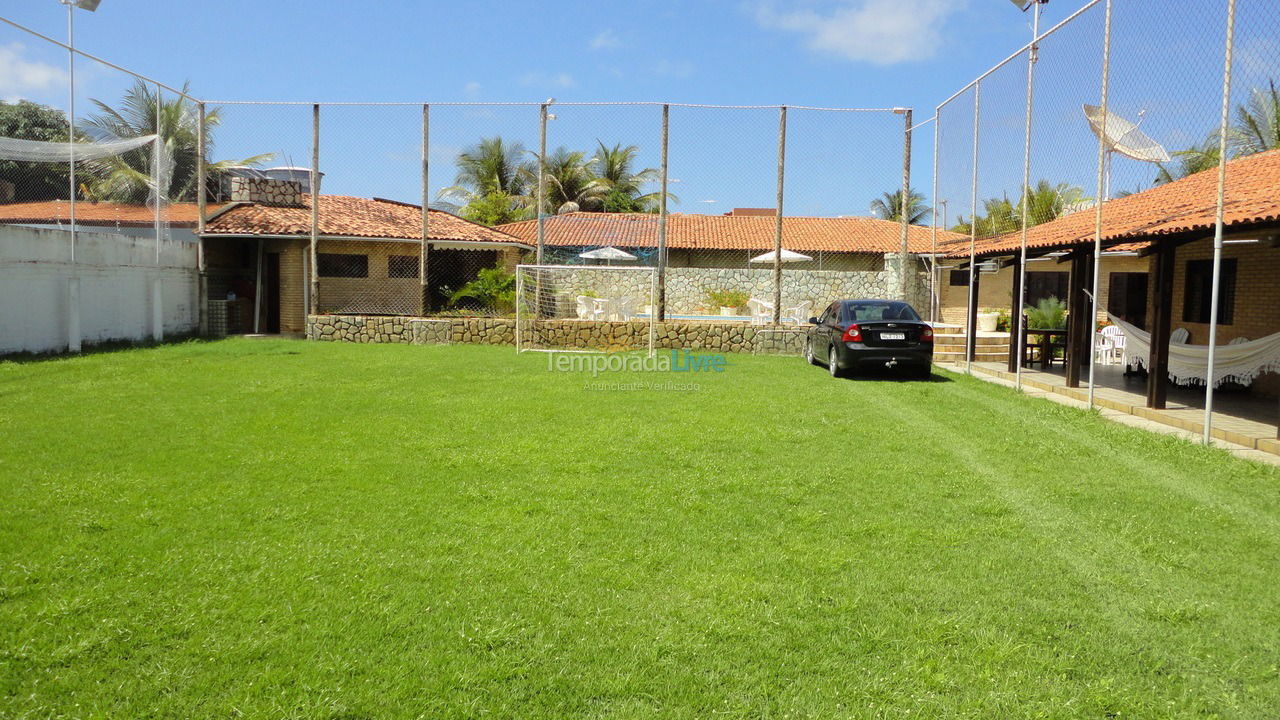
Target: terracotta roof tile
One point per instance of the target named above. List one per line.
(99, 213)
(347, 216)
(728, 232)
(1185, 205)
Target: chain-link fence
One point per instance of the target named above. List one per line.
(1058, 181)
(1116, 171)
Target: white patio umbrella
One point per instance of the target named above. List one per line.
(787, 256)
(608, 254)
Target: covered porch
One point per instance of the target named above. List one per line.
(1239, 416)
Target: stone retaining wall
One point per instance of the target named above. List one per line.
(687, 287)
(557, 334)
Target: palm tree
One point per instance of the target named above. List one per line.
(623, 186)
(1257, 125)
(1047, 202)
(127, 177)
(493, 183)
(1194, 159)
(570, 184)
(889, 207)
(491, 165)
(1000, 216)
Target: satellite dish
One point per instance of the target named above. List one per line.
(1123, 136)
(1119, 135)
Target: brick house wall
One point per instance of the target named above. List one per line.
(996, 289)
(1257, 297)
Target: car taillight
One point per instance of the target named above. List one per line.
(926, 334)
(853, 333)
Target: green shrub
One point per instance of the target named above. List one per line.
(494, 288)
(1049, 314)
(728, 298)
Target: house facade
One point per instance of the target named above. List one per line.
(257, 257)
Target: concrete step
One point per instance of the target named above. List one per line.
(958, 357)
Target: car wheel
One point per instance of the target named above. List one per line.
(808, 353)
(832, 365)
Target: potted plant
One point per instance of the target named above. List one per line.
(988, 320)
(729, 301)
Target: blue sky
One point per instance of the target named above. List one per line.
(847, 53)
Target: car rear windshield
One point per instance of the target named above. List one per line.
(874, 311)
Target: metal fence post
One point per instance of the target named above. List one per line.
(935, 299)
(777, 219)
(424, 299)
(971, 330)
(1218, 219)
(315, 208)
(903, 254)
(1016, 323)
(662, 221)
(73, 283)
(1101, 180)
(538, 202)
(202, 199)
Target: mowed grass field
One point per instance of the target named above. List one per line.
(288, 529)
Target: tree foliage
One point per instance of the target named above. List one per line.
(27, 120)
(128, 177)
(889, 207)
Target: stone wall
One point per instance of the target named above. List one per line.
(687, 287)
(553, 334)
(264, 191)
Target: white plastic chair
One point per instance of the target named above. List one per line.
(798, 314)
(624, 308)
(1238, 341)
(761, 311)
(1113, 339)
(586, 307)
(1180, 336)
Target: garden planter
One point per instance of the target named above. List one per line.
(987, 322)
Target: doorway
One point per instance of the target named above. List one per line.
(271, 292)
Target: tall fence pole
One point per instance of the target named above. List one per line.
(73, 283)
(971, 330)
(315, 208)
(157, 173)
(1218, 219)
(935, 299)
(542, 171)
(1016, 322)
(777, 217)
(1101, 181)
(904, 256)
(424, 299)
(662, 220)
(202, 200)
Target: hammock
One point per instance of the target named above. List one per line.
(1241, 363)
(61, 152)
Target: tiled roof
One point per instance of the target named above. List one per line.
(723, 232)
(346, 216)
(1185, 205)
(100, 213)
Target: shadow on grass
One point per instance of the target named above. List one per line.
(893, 376)
(110, 346)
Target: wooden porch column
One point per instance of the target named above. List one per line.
(1079, 328)
(1016, 332)
(971, 326)
(1161, 325)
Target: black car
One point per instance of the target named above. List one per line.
(869, 335)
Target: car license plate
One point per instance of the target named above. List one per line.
(893, 336)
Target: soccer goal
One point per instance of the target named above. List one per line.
(585, 308)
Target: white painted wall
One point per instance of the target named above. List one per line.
(117, 276)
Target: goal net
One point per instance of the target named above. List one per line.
(585, 308)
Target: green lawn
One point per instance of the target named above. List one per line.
(288, 529)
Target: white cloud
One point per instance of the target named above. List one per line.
(542, 79)
(881, 32)
(673, 68)
(471, 90)
(606, 39)
(20, 77)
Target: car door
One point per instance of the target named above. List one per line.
(830, 327)
(819, 336)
